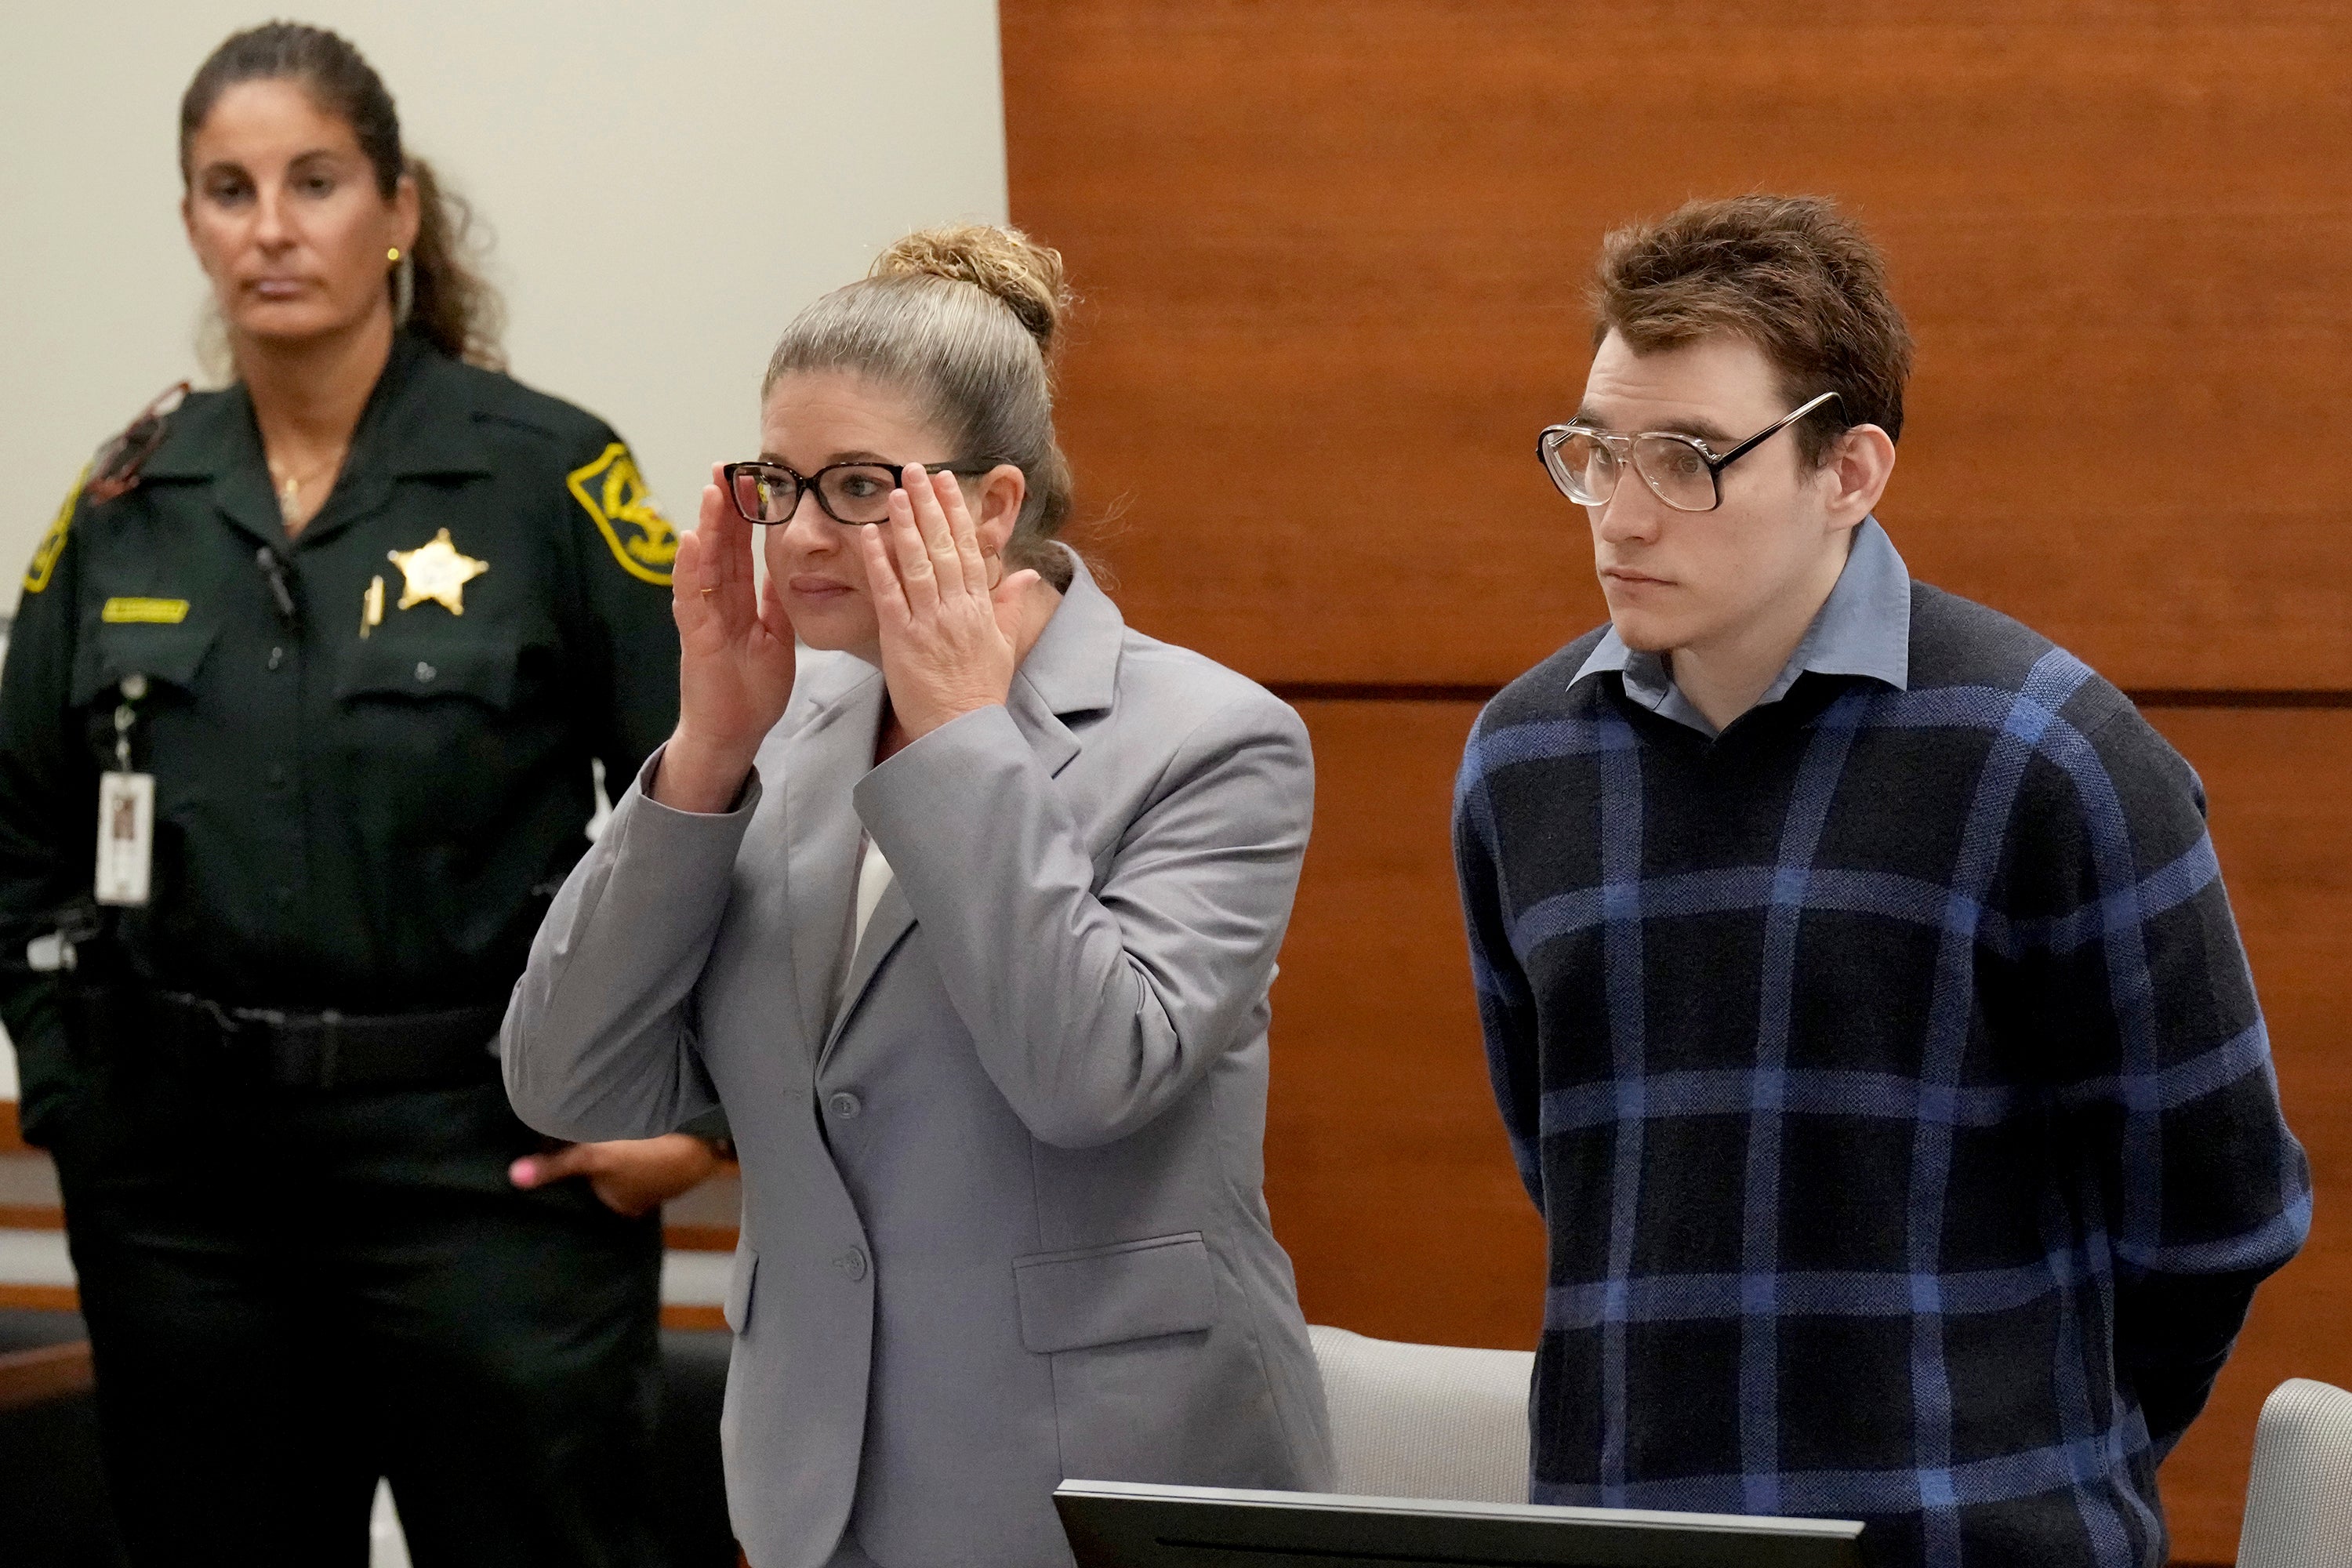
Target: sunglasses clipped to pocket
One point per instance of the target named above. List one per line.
(115, 470)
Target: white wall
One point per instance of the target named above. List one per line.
(666, 185)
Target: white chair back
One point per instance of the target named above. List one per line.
(2299, 1502)
(1425, 1421)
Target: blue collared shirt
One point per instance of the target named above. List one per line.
(1863, 629)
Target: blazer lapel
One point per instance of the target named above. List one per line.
(830, 752)
(893, 917)
(1073, 669)
(1034, 716)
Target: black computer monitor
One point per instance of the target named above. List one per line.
(1118, 1524)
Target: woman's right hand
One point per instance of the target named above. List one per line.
(735, 660)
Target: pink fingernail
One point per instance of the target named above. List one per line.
(523, 1172)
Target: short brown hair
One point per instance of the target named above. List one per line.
(1790, 274)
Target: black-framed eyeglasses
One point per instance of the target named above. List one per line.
(1681, 470)
(115, 470)
(853, 493)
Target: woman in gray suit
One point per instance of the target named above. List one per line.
(966, 910)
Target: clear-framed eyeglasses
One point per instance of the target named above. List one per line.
(853, 493)
(1682, 472)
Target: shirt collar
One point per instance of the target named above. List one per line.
(1863, 629)
(400, 431)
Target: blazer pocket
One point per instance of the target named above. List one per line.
(1126, 1291)
(738, 1308)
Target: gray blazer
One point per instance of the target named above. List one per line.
(1002, 1218)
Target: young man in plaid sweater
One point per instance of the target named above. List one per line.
(1858, 985)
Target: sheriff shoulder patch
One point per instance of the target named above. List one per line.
(613, 494)
(53, 544)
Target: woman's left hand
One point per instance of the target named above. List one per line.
(950, 641)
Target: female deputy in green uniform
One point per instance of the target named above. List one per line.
(324, 657)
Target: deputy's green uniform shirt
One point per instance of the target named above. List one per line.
(366, 808)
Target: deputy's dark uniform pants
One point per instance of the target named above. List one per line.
(291, 1294)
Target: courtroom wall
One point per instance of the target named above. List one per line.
(664, 185)
(1334, 260)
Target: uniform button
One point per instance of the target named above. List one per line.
(277, 656)
(852, 1263)
(285, 895)
(426, 671)
(845, 1104)
(278, 777)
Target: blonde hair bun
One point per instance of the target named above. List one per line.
(964, 321)
(1006, 265)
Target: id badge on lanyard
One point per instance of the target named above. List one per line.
(126, 813)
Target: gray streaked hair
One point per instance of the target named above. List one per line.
(965, 319)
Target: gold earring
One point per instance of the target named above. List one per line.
(393, 254)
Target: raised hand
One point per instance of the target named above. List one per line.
(735, 660)
(950, 641)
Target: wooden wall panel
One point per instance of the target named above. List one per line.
(2282, 823)
(1334, 259)
(1386, 1164)
(1390, 1178)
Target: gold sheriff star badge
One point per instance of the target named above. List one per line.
(439, 571)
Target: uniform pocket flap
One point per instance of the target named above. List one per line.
(483, 670)
(161, 651)
(1127, 1291)
(737, 1309)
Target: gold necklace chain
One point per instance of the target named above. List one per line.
(291, 482)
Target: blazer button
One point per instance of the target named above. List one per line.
(852, 1263)
(845, 1104)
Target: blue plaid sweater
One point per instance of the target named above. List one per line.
(1889, 1076)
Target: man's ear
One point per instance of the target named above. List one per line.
(995, 499)
(1856, 473)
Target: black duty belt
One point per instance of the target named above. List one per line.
(307, 1050)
